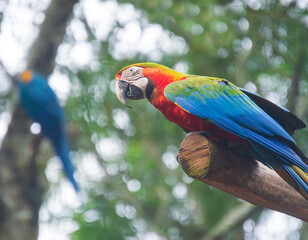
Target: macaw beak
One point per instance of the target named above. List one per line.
(121, 89)
(125, 90)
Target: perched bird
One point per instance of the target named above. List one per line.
(41, 104)
(226, 112)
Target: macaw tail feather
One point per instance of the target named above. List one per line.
(296, 177)
(62, 151)
(290, 168)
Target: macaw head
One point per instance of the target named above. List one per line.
(26, 76)
(29, 76)
(138, 81)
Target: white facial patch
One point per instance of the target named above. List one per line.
(132, 73)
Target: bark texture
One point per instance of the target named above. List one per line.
(220, 167)
(21, 195)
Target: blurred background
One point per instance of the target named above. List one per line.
(133, 187)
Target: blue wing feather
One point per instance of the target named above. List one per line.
(41, 104)
(214, 101)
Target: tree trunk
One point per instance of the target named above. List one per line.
(21, 195)
(297, 72)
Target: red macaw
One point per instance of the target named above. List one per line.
(214, 105)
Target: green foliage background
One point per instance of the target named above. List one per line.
(141, 192)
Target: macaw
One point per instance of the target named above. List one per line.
(226, 112)
(39, 101)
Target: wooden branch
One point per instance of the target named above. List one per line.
(232, 220)
(220, 167)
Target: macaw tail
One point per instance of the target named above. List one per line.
(62, 150)
(286, 163)
(296, 177)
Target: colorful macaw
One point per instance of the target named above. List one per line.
(226, 112)
(41, 104)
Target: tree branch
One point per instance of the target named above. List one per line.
(232, 220)
(220, 167)
(21, 195)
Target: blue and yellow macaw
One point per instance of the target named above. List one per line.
(198, 103)
(41, 104)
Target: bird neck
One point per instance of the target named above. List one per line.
(159, 79)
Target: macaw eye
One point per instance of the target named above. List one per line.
(133, 69)
(132, 73)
